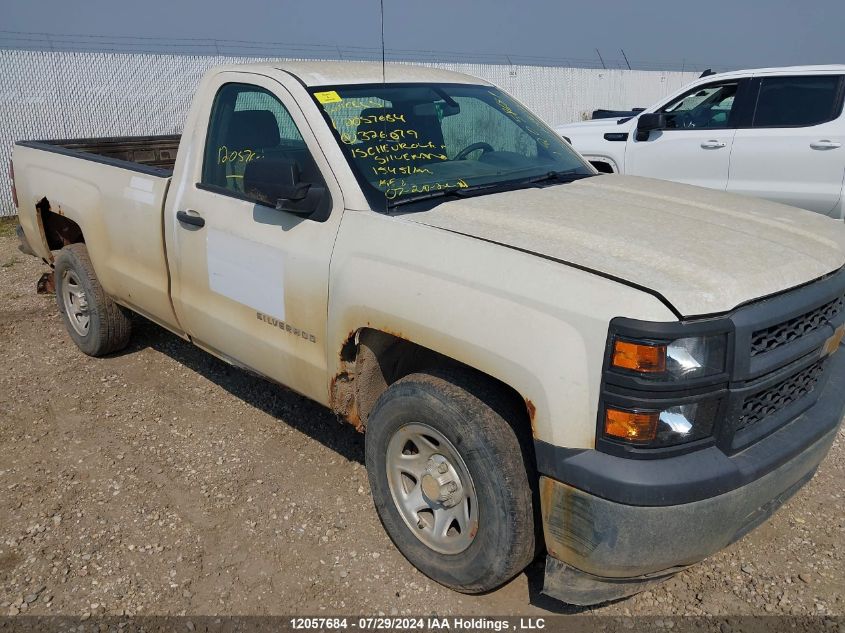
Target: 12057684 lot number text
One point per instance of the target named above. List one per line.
(401, 623)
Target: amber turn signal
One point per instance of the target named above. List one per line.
(630, 425)
(639, 357)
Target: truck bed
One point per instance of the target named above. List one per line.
(114, 189)
(150, 154)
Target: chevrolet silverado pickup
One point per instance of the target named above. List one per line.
(775, 133)
(620, 374)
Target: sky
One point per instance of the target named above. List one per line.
(664, 34)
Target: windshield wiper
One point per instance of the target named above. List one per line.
(560, 176)
(422, 196)
(510, 185)
(464, 192)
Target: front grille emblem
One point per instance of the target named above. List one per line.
(832, 344)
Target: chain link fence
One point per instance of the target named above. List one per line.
(59, 94)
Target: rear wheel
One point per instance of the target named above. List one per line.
(96, 324)
(450, 480)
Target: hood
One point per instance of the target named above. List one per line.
(704, 251)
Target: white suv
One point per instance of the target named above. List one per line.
(776, 133)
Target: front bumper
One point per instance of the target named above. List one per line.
(602, 549)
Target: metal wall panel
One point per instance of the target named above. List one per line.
(49, 95)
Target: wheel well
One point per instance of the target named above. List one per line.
(373, 360)
(59, 231)
(603, 166)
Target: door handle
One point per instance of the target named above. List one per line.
(714, 144)
(825, 144)
(187, 218)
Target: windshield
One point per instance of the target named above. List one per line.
(407, 141)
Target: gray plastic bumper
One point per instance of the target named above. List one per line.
(600, 550)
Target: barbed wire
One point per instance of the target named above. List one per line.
(33, 40)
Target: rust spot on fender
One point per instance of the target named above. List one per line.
(354, 418)
(344, 403)
(394, 333)
(386, 330)
(342, 387)
(347, 350)
(532, 412)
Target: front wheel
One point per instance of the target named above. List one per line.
(450, 480)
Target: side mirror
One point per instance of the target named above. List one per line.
(648, 122)
(276, 182)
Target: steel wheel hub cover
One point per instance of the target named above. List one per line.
(432, 489)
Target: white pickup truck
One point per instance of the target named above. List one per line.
(623, 374)
(774, 133)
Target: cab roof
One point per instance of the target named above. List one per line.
(316, 73)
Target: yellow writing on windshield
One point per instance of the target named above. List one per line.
(375, 118)
(400, 147)
(377, 135)
(401, 170)
(394, 188)
(384, 159)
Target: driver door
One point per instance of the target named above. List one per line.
(249, 280)
(695, 146)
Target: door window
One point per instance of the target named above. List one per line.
(798, 101)
(703, 107)
(249, 124)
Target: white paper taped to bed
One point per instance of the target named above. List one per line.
(248, 272)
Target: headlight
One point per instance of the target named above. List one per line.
(683, 358)
(663, 385)
(668, 427)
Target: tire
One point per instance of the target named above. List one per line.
(481, 429)
(96, 324)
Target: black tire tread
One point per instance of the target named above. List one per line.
(504, 422)
(114, 326)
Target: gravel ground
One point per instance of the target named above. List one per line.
(162, 481)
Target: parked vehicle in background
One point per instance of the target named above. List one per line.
(629, 372)
(775, 133)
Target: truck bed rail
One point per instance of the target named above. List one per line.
(153, 155)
